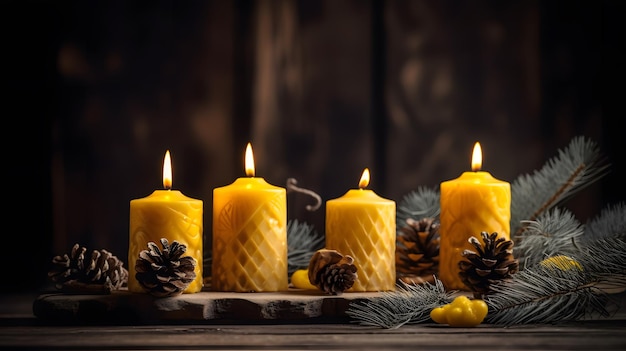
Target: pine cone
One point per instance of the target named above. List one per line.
(492, 262)
(164, 272)
(332, 272)
(102, 272)
(417, 252)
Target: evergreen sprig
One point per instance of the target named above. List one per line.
(554, 232)
(418, 204)
(302, 242)
(546, 294)
(409, 304)
(574, 168)
(610, 223)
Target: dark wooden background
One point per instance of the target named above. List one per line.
(95, 92)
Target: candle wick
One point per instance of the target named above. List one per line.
(291, 186)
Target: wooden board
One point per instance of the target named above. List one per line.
(122, 307)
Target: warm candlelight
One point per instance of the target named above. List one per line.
(165, 214)
(362, 224)
(249, 234)
(473, 203)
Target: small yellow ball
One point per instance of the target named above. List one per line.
(461, 312)
(300, 280)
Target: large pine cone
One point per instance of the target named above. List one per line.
(332, 272)
(491, 262)
(164, 272)
(101, 272)
(417, 251)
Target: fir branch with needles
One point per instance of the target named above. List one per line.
(566, 291)
(610, 223)
(575, 167)
(409, 304)
(302, 242)
(418, 204)
(605, 259)
(554, 232)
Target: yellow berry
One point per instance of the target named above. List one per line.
(438, 315)
(461, 312)
(300, 280)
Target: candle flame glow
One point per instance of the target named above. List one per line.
(167, 171)
(365, 179)
(249, 161)
(477, 158)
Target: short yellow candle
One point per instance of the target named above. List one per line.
(249, 235)
(362, 224)
(473, 203)
(165, 214)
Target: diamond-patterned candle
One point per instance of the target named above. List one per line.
(249, 235)
(165, 214)
(473, 203)
(362, 224)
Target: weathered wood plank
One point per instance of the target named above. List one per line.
(589, 335)
(123, 307)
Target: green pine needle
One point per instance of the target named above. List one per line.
(302, 242)
(610, 223)
(418, 204)
(547, 294)
(576, 167)
(409, 304)
(554, 232)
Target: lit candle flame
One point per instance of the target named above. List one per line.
(365, 179)
(249, 161)
(167, 171)
(477, 158)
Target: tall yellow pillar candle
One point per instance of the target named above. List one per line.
(362, 224)
(165, 214)
(249, 235)
(473, 203)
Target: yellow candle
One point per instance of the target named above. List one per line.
(473, 203)
(362, 224)
(249, 234)
(165, 214)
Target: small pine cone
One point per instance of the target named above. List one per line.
(67, 267)
(332, 272)
(417, 251)
(102, 272)
(491, 262)
(164, 272)
(105, 268)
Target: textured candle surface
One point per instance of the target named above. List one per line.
(473, 203)
(362, 224)
(165, 214)
(249, 237)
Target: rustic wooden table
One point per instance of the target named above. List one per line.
(22, 330)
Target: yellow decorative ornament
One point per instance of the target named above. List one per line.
(300, 280)
(462, 312)
(561, 262)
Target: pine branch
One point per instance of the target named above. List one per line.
(610, 223)
(605, 259)
(554, 232)
(302, 242)
(409, 304)
(576, 167)
(418, 204)
(545, 294)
